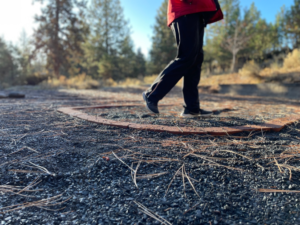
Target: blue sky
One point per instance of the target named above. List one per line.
(16, 15)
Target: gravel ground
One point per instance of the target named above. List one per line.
(56, 169)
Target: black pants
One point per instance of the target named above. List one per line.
(188, 31)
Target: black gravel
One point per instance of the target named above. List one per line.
(99, 188)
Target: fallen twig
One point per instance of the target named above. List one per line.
(274, 190)
(236, 154)
(135, 172)
(183, 175)
(148, 176)
(216, 164)
(277, 165)
(191, 208)
(172, 180)
(190, 182)
(152, 214)
(42, 169)
(122, 161)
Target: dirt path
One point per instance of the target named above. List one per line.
(57, 169)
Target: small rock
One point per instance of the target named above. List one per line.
(2, 95)
(16, 95)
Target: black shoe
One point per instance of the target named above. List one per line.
(189, 114)
(152, 107)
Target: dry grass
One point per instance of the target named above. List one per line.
(130, 82)
(147, 80)
(252, 74)
(17, 190)
(234, 78)
(81, 81)
(150, 79)
(292, 60)
(46, 204)
(133, 82)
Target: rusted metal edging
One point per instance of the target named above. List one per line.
(272, 125)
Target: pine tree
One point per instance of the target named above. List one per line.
(265, 39)
(215, 36)
(25, 51)
(140, 64)
(163, 44)
(60, 33)
(126, 59)
(109, 49)
(280, 34)
(292, 24)
(8, 63)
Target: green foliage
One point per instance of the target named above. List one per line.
(240, 31)
(109, 49)
(214, 54)
(263, 39)
(292, 24)
(24, 51)
(127, 59)
(8, 64)
(140, 66)
(163, 44)
(216, 35)
(242, 36)
(106, 69)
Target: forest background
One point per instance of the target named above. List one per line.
(82, 45)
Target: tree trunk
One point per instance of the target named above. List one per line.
(56, 41)
(210, 67)
(106, 27)
(232, 68)
(235, 49)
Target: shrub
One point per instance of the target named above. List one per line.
(249, 69)
(275, 66)
(292, 60)
(34, 79)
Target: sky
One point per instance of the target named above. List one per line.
(18, 15)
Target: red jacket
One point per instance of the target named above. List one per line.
(179, 8)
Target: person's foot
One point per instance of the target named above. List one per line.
(189, 114)
(152, 107)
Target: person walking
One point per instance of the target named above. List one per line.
(187, 19)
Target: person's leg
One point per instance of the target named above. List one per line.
(186, 32)
(192, 78)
